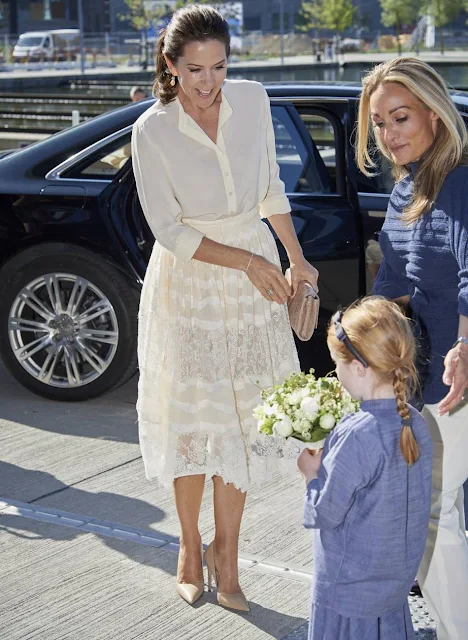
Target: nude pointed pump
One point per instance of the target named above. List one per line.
(235, 601)
(191, 591)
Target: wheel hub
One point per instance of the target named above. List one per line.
(64, 327)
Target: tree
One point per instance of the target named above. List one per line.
(396, 13)
(310, 16)
(336, 15)
(442, 12)
(144, 14)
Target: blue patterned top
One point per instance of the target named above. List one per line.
(371, 512)
(428, 261)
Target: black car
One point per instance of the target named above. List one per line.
(74, 244)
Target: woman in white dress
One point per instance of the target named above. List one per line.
(213, 323)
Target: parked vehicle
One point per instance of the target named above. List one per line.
(74, 244)
(46, 46)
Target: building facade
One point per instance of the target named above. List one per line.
(104, 15)
(37, 15)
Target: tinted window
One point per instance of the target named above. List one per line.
(382, 182)
(105, 163)
(298, 168)
(323, 135)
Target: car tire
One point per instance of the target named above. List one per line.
(92, 347)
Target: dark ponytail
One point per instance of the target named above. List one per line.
(162, 84)
(192, 23)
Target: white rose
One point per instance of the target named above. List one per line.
(283, 427)
(271, 410)
(259, 412)
(295, 397)
(327, 422)
(310, 406)
(299, 414)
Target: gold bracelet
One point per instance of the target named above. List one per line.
(251, 256)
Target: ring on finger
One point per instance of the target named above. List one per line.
(269, 292)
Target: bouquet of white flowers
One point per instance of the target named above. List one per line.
(305, 408)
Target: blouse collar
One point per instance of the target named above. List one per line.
(189, 127)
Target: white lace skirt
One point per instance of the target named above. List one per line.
(208, 342)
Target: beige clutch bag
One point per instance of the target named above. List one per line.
(303, 310)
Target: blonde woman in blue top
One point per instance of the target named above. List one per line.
(406, 110)
(368, 493)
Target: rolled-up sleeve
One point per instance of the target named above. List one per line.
(157, 198)
(458, 239)
(344, 470)
(275, 201)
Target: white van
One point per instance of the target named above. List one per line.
(54, 45)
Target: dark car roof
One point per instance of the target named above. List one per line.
(313, 89)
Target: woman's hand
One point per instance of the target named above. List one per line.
(269, 280)
(303, 271)
(309, 463)
(456, 376)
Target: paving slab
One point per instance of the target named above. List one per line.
(271, 526)
(59, 583)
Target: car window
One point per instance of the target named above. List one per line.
(298, 169)
(322, 133)
(383, 180)
(105, 163)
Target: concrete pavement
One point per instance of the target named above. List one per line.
(89, 547)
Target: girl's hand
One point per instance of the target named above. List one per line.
(269, 280)
(309, 463)
(303, 271)
(455, 375)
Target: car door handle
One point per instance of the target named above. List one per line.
(64, 190)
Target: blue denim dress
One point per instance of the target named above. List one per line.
(370, 511)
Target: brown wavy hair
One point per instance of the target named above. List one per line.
(449, 148)
(383, 335)
(193, 23)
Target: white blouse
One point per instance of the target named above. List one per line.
(181, 173)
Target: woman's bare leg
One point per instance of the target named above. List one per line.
(228, 509)
(188, 492)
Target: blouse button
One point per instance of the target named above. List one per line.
(230, 193)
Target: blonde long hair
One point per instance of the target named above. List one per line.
(450, 145)
(382, 334)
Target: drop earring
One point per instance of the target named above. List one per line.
(172, 83)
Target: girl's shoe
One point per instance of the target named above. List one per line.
(235, 601)
(191, 592)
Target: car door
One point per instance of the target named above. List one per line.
(373, 195)
(310, 150)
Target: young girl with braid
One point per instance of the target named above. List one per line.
(368, 492)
